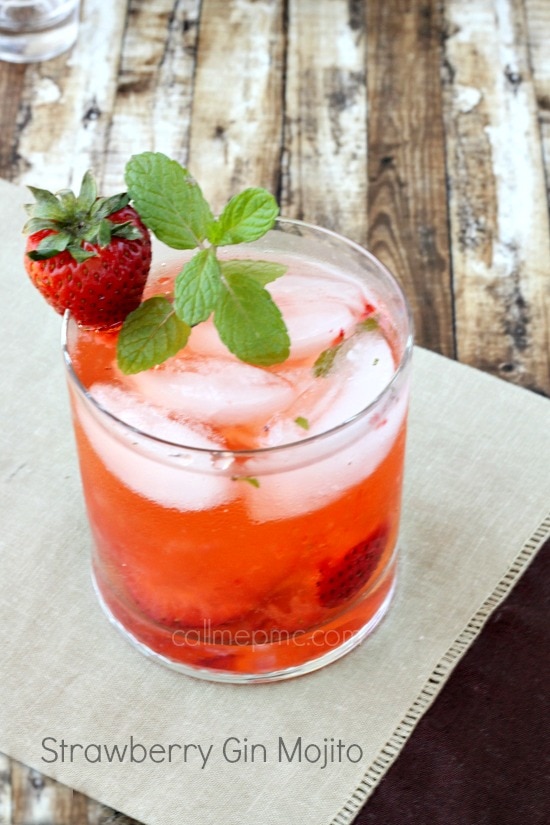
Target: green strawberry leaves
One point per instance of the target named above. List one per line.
(74, 220)
(249, 323)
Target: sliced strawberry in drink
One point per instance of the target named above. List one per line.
(343, 578)
(177, 605)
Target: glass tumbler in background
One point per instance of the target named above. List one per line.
(245, 520)
(35, 30)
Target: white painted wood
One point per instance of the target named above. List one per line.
(325, 159)
(500, 235)
(155, 84)
(67, 103)
(236, 129)
(538, 26)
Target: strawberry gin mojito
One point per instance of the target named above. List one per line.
(245, 510)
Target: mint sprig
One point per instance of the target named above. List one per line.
(171, 204)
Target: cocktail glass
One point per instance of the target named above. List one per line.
(245, 521)
(35, 30)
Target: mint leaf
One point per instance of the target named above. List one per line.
(197, 288)
(249, 322)
(263, 272)
(368, 324)
(150, 334)
(249, 480)
(325, 361)
(168, 200)
(302, 422)
(246, 217)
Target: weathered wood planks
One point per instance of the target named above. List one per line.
(154, 89)
(325, 147)
(538, 28)
(29, 798)
(407, 200)
(236, 130)
(66, 104)
(499, 226)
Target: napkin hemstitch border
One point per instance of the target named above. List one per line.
(441, 672)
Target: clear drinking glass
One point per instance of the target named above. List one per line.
(245, 521)
(34, 30)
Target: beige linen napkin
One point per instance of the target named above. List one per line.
(476, 499)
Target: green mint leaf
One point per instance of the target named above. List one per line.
(246, 217)
(88, 192)
(197, 288)
(368, 324)
(168, 200)
(263, 272)
(325, 361)
(150, 334)
(249, 322)
(302, 422)
(249, 480)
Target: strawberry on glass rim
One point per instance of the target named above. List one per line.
(87, 254)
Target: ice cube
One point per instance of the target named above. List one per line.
(220, 391)
(160, 472)
(342, 459)
(317, 309)
(204, 340)
(363, 371)
(359, 374)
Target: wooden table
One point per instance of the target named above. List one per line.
(419, 128)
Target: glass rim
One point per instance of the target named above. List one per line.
(277, 448)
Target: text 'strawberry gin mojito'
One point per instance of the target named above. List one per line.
(245, 518)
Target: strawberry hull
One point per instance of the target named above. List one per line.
(255, 549)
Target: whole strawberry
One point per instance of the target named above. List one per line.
(87, 254)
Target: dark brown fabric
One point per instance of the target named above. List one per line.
(481, 754)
